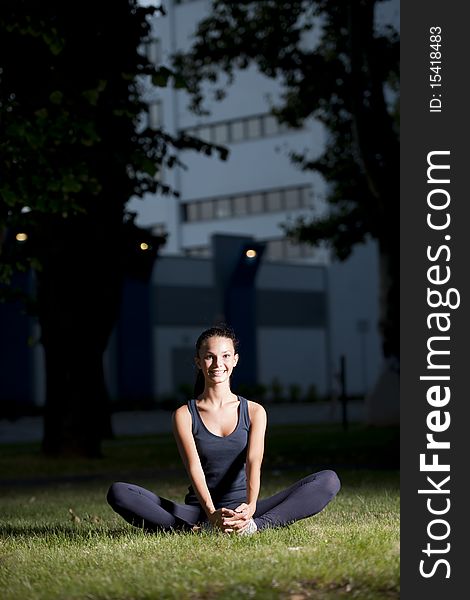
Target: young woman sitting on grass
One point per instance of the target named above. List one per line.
(220, 437)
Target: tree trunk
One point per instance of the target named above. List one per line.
(378, 153)
(77, 412)
(78, 291)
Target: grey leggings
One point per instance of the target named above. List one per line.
(143, 508)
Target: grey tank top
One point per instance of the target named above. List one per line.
(222, 458)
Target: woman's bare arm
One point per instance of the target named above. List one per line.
(254, 459)
(255, 452)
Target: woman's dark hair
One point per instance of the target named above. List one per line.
(222, 330)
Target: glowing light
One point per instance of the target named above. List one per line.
(250, 253)
(144, 246)
(21, 237)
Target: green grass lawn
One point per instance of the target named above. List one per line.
(60, 540)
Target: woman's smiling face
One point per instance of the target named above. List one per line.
(217, 359)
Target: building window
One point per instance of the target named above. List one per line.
(191, 212)
(256, 203)
(271, 126)
(253, 128)
(223, 208)
(240, 205)
(154, 51)
(237, 131)
(274, 201)
(292, 198)
(204, 133)
(221, 133)
(155, 115)
(207, 210)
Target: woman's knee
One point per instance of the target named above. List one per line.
(117, 493)
(330, 481)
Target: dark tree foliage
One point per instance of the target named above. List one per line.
(72, 153)
(339, 68)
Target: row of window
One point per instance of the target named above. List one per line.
(238, 130)
(278, 200)
(276, 250)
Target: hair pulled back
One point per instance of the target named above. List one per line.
(223, 331)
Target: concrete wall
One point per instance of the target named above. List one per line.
(354, 315)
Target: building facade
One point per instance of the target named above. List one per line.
(258, 188)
